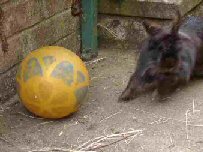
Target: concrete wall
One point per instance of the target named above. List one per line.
(122, 32)
(122, 28)
(162, 9)
(28, 25)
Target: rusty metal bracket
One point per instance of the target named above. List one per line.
(76, 8)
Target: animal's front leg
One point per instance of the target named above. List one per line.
(198, 71)
(135, 87)
(130, 91)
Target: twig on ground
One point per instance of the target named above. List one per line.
(193, 108)
(6, 141)
(186, 124)
(198, 125)
(95, 61)
(110, 116)
(99, 77)
(105, 141)
(46, 122)
(48, 149)
(172, 142)
(191, 113)
(108, 30)
(159, 116)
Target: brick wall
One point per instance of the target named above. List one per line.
(28, 25)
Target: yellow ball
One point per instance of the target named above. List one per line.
(52, 82)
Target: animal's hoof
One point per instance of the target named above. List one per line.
(120, 100)
(124, 98)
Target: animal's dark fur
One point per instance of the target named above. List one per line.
(168, 58)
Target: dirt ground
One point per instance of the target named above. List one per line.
(103, 124)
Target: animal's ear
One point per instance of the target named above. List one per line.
(176, 23)
(152, 28)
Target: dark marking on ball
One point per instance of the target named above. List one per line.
(80, 77)
(32, 69)
(48, 60)
(81, 93)
(64, 71)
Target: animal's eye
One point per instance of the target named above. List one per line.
(160, 48)
(156, 45)
(153, 45)
(150, 47)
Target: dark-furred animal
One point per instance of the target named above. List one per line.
(168, 58)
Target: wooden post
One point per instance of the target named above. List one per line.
(89, 29)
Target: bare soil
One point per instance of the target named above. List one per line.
(102, 124)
